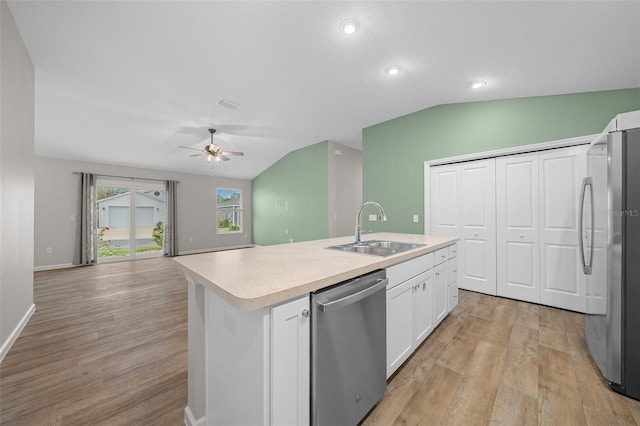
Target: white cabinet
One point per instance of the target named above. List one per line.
(452, 278)
(422, 312)
(409, 318)
(257, 363)
(463, 204)
(440, 297)
(290, 363)
(399, 325)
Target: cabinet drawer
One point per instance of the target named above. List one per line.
(440, 256)
(452, 299)
(401, 272)
(453, 270)
(453, 250)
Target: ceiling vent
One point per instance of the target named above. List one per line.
(228, 104)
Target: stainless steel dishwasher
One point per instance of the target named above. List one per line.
(348, 349)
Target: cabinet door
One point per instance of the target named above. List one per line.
(561, 279)
(452, 296)
(399, 325)
(477, 254)
(518, 241)
(422, 305)
(290, 359)
(440, 293)
(444, 198)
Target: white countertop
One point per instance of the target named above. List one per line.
(253, 278)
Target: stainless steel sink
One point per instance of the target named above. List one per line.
(377, 247)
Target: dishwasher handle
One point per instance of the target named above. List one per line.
(331, 305)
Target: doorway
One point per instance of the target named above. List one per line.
(130, 219)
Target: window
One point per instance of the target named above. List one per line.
(229, 210)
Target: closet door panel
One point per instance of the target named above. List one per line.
(478, 226)
(561, 279)
(518, 240)
(444, 196)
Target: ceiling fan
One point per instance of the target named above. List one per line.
(213, 151)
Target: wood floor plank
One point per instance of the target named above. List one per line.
(559, 399)
(474, 398)
(429, 403)
(513, 407)
(106, 345)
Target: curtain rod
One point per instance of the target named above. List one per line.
(126, 177)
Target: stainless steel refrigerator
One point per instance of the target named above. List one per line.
(610, 235)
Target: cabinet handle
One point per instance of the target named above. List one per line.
(305, 313)
(424, 286)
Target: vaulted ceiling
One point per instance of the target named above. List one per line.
(127, 82)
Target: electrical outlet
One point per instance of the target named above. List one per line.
(49, 250)
(373, 217)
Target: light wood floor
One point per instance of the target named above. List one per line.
(108, 346)
(499, 361)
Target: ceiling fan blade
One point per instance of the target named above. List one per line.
(222, 158)
(241, 154)
(196, 155)
(186, 147)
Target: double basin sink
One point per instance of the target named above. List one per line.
(377, 247)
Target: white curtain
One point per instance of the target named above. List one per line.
(86, 250)
(170, 242)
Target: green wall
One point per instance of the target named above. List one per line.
(393, 152)
(291, 198)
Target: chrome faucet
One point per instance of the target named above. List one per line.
(383, 217)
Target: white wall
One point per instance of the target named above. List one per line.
(16, 181)
(56, 198)
(345, 188)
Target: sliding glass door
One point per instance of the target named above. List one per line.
(130, 219)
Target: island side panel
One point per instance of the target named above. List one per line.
(237, 363)
(196, 409)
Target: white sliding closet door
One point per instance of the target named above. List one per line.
(445, 199)
(477, 254)
(561, 278)
(518, 240)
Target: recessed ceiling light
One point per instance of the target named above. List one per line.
(393, 70)
(478, 84)
(349, 26)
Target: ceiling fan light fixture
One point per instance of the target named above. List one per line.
(393, 70)
(209, 155)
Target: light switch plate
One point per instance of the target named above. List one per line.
(416, 219)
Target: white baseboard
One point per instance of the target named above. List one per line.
(50, 267)
(190, 420)
(6, 346)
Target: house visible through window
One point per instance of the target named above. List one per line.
(130, 219)
(229, 210)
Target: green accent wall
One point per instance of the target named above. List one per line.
(394, 152)
(291, 198)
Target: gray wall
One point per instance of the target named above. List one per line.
(16, 179)
(56, 198)
(345, 188)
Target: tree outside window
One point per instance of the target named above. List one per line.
(229, 210)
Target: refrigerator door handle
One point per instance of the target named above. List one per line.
(587, 267)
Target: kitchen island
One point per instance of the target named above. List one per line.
(249, 325)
